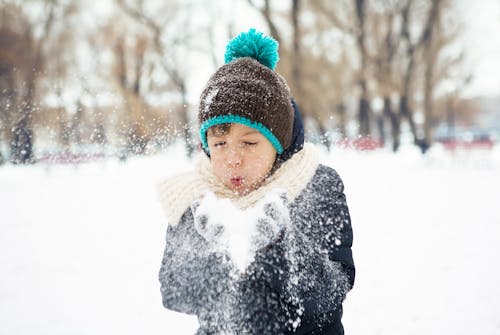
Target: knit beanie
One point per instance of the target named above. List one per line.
(247, 90)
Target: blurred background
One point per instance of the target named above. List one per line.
(98, 102)
(82, 81)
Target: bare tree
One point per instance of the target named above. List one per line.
(32, 36)
(291, 56)
(296, 49)
(166, 45)
(17, 34)
(364, 105)
(266, 12)
(317, 80)
(386, 36)
(424, 51)
(413, 46)
(129, 84)
(429, 44)
(438, 65)
(337, 13)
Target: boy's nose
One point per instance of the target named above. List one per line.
(234, 158)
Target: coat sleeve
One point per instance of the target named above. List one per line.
(323, 216)
(338, 235)
(189, 273)
(323, 235)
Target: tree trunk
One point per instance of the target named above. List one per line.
(323, 134)
(430, 55)
(405, 111)
(404, 107)
(394, 122)
(450, 118)
(21, 146)
(188, 141)
(21, 149)
(412, 48)
(364, 107)
(342, 115)
(8, 97)
(427, 140)
(364, 117)
(296, 73)
(380, 121)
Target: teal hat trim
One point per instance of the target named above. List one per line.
(238, 119)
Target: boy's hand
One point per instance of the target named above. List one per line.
(211, 231)
(270, 226)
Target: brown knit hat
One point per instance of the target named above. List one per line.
(248, 92)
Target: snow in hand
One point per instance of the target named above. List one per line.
(240, 233)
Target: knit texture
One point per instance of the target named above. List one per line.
(246, 88)
(178, 192)
(239, 119)
(253, 44)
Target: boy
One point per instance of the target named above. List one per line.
(302, 267)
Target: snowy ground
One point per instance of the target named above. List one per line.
(80, 247)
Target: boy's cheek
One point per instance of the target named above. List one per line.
(222, 174)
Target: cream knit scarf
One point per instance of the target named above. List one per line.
(177, 193)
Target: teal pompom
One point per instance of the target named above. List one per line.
(253, 44)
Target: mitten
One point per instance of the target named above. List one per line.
(211, 230)
(273, 221)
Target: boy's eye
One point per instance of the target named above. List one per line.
(219, 144)
(250, 143)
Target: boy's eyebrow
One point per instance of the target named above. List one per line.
(251, 132)
(218, 135)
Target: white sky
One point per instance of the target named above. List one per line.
(482, 45)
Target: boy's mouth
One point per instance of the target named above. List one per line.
(236, 181)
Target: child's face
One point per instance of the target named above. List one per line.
(241, 157)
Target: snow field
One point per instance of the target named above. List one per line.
(80, 247)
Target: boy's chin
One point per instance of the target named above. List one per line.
(240, 189)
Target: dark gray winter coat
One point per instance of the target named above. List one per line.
(296, 284)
